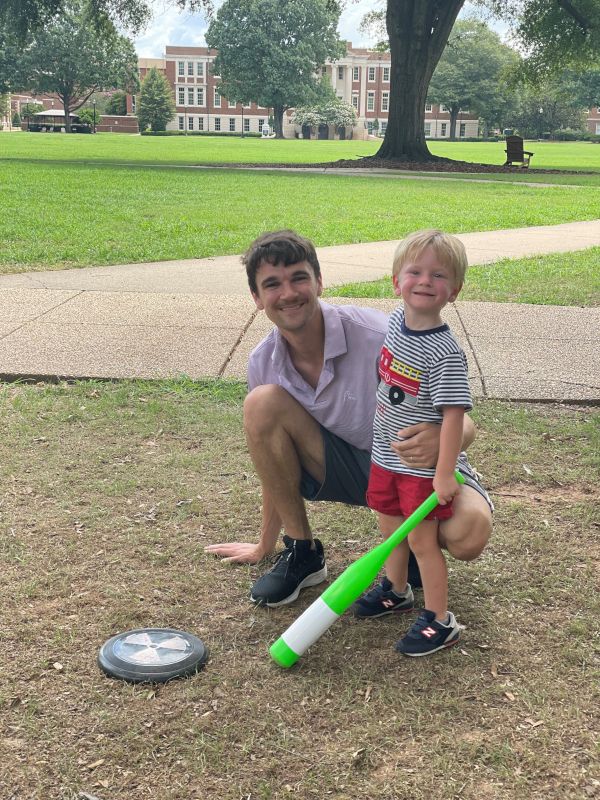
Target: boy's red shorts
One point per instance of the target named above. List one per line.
(398, 495)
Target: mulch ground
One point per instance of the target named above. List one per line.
(437, 165)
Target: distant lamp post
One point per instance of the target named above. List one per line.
(541, 110)
(242, 120)
(94, 107)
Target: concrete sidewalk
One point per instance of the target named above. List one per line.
(195, 317)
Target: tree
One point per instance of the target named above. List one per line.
(328, 109)
(469, 73)
(417, 31)
(157, 106)
(269, 51)
(117, 104)
(546, 108)
(73, 59)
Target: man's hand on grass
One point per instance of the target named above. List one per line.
(237, 552)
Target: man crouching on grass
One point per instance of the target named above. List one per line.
(308, 419)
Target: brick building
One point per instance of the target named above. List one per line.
(361, 78)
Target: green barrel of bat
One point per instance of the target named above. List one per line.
(346, 588)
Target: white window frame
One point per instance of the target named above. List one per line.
(370, 101)
(246, 105)
(443, 109)
(443, 128)
(200, 95)
(428, 107)
(386, 74)
(181, 68)
(371, 75)
(340, 73)
(355, 101)
(217, 102)
(190, 123)
(385, 101)
(462, 130)
(261, 122)
(181, 95)
(190, 95)
(200, 69)
(190, 70)
(246, 125)
(181, 124)
(355, 74)
(231, 104)
(200, 123)
(427, 128)
(217, 123)
(231, 127)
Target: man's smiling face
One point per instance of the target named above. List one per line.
(288, 294)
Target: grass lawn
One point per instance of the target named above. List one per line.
(112, 147)
(561, 279)
(55, 215)
(110, 492)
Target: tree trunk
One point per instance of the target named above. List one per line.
(418, 31)
(453, 120)
(278, 119)
(67, 107)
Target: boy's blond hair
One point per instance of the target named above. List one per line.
(449, 250)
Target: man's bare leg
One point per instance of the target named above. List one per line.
(282, 438)
(468, 531)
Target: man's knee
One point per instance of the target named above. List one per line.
(262, 407)
(467, 533)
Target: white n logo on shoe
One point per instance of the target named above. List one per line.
(429, 632)
(388, 603)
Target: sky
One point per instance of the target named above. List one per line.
(173, 27)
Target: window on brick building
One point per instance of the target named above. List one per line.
(355, 101)
(200, 123)
(386, 74)
(232, 124)
(200, 69)
(385, 101)
(181, 124)
(371, 75)
(370, 101)
(217, 99)
(427, 106)
(340, 73)
(190, 123)
(181, 96)
(428, 129)
(355, 74)
(443, 129)
(181, 67)
(462, 129)
(190, 68)
(261, 122)
(200, 94)
(232, 104)
(217, 123)
(246, 125)
(190, 95)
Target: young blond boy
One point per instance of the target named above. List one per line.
(422, 378)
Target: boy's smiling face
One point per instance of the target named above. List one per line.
(425, 286)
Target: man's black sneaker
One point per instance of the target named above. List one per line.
(383, 600)
(297, 567)
(427, 635)
(414, 574)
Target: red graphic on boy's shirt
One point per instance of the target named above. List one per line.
(396, 373)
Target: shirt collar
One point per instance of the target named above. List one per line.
(335, 338)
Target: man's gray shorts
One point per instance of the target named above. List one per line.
(347, 474)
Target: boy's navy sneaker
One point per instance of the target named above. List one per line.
(427, 635)
(298, 566)
(383, 600)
